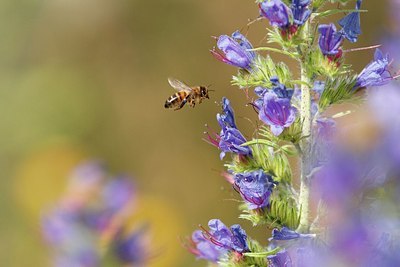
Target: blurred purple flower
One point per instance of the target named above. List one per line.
(58, 225)
(118, 193)
(338, 180)
(376, 73)
(88, 175)
(205, 249)
(230, 138)
(280, 259)
(255, 188)
(73, 243)
(330, 41)
(134, 248)
(351, 24)
(235, 51)
(90, 211)
(276, 112)
(300, 253)
(325, 129)
(385, 104)
(82, 259)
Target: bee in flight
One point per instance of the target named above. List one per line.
(193, 95)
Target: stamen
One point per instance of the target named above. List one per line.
(362, 48)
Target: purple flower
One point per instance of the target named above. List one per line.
(235, 50)
(276, 112)
(280, 259)
(330, 40)
(376, 73)
(232, 239)
(351, 24)
(132, 249)
(231, 141)
(284, 234)
(300, 11)
(227, 118)
(276, 12)
(230, 138)
(255, 188)
(205, 249)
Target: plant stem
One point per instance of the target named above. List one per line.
(305, 145)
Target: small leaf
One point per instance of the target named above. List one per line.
(262, 254)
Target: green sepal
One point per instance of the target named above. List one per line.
(276, 50)
(275, 163)
(281, 212)
(319, 65)
(292, 134)
(275, 36)
(252, 258)
(337, 91)
(262, 254)
(263, 69)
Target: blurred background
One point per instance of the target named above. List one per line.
(88, 79)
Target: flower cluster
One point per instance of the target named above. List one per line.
(330, 39)
(287, 19)
(94, 210)
(351, 221)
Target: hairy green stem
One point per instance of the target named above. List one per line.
(305, 146)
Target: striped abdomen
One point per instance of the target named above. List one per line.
(176, 100)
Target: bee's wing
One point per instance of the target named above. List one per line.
(179, 85)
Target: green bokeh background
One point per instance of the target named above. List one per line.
(88, 79)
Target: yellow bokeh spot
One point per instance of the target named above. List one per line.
(166, 225)
(42, 177)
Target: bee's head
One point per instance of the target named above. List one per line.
(204, 91)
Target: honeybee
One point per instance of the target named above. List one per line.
(193, 95)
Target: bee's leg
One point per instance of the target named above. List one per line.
(182, 104)
(192, 102)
